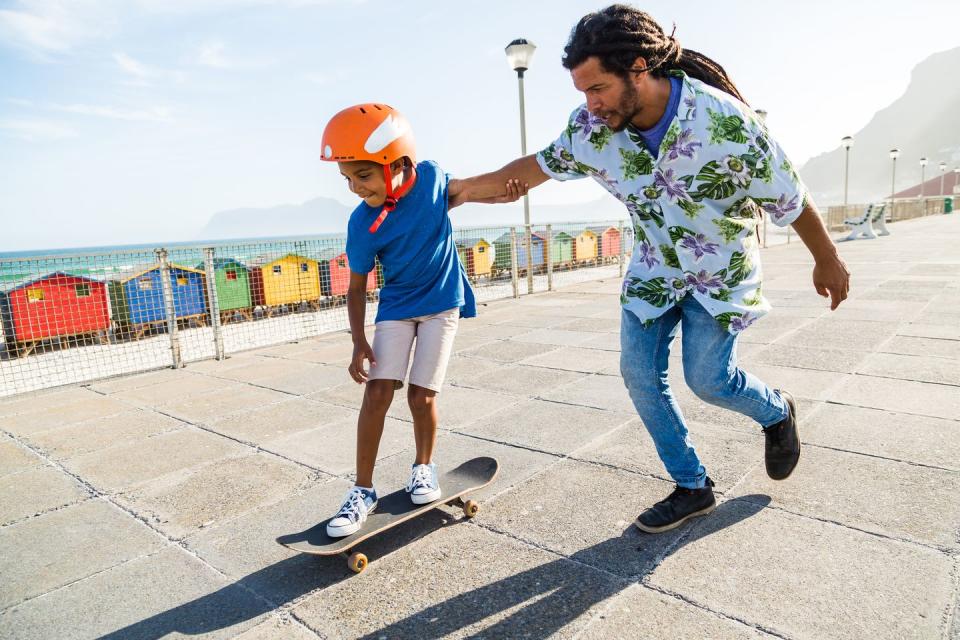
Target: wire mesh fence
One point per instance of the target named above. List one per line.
(82, 317)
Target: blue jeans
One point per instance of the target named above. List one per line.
(710, 370)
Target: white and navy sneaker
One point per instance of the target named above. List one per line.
(424, 486)
(358, 504)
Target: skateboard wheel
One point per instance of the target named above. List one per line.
(357, 562)
(470, 508)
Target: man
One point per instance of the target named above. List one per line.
(666, 132)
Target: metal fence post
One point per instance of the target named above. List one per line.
(529, 240)
(213, 301)
(620, 259)
(169, 308)
(513, 262)
(549, 258)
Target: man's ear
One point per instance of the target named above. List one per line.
(640, 64)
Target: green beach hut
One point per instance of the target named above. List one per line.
(233, 287)
(561, 248)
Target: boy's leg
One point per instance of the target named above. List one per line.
(392, 341)
(711, 371)
(644, 353)
(435, 337)
(423, 408)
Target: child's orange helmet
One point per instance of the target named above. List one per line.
(374, 132)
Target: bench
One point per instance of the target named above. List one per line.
(862, 225)
(879, 219)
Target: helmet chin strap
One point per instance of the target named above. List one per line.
(393, 197)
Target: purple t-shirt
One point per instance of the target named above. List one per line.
(653, 137)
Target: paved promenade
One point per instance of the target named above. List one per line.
(147, 506)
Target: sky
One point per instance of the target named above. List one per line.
(126, 121)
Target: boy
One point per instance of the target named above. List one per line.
(402, 221)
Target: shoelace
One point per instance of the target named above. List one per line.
(352, 505)
(422, 477)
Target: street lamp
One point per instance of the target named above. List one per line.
(519, 52)
(894, 154)
(847, 142)
(923, 169)
(943, 172)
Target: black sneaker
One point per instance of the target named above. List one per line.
(783, 443)
(677, 508)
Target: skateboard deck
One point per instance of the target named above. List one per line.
(394, 509)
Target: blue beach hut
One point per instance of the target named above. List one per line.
(136, 297)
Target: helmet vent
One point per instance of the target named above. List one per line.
(363, 111)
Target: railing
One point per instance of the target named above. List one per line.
(80, 317)
(901, 210)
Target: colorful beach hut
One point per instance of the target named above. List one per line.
(608, 242)
(335, 274)
(501, 250)
(585, 247)
(475, 254)
(232, 282)
(561, 249)
(136, 298)
(57, 305)
(289, 279)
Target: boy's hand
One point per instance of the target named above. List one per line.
(357, 372)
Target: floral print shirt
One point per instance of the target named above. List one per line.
(695, 207)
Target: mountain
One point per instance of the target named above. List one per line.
(325, 215)
(923, 122)
(320, 215)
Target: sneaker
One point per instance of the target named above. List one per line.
(783, 442)
(677, 508)
(358, 504)
(423, 486)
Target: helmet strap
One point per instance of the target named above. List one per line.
(393, 197)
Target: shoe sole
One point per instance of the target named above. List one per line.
(673, 525)
(793, 408)
(419, 499)
(350, 533)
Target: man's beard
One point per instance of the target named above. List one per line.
(628, 108)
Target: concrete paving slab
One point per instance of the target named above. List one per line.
(598, 391)
(125, 466)
(802, 578)
(558, 337)
(457, 406)
(277, 628)
(210, 406)
(261, 424)
(179, 504)
(924, 330)
(67, 545)
(465, 371)
(508, 351)
(898, 436)
(908, 345)
(35, 491)
(578, 359)
(526, 381)
(307, 381)
(641, 612)
(94, 406)
(155, 596)
(904, 501)
(594, 324)
(326, 352)
(606, 341)
(174, 390)
(547, 426)
(14, 457)
(349, 394)
(903, 396)
(101, 433)
(567, 522)
(773, 328)
(502, 589)
(491, 331)
(138, 381)
(785, 355)
(42, 401)
(917, 368)
(727, 455)
(831, 333)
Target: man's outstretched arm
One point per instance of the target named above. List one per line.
(830, 275)
(493, 187)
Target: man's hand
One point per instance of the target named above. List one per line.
(361, 351)
(514, 191)
(832, 279)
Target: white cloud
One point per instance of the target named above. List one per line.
(48, 27)
(131, 66)
(34, 129)
(211, 55)
(153, 114)
(141, 74)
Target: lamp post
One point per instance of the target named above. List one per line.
(943, 172)
(519, 52)
(847, 142)
(923, 170)
(894, 154)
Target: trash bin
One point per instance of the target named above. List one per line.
(947, 205)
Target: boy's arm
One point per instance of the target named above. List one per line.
(830, 274)
(356, 312)
(493, 186)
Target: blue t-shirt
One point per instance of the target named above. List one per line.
(653, 137)
(421, 269)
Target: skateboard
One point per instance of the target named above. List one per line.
(394, 509)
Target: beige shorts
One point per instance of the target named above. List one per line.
(394, 339)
